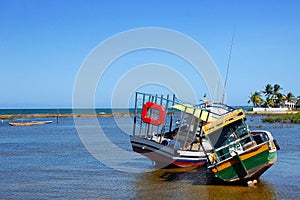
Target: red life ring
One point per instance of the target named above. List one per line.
(161, 117)
(209, 102)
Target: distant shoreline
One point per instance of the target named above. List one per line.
(272, 112)
(74, 115)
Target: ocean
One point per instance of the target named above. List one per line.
(51, 162)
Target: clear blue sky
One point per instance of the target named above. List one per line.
(43, 43)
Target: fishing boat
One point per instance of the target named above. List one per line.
(31, 123)
(238, 153)
(173, 133)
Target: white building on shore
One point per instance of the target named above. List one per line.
(287, 107)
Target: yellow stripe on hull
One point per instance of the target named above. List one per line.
(243, 157)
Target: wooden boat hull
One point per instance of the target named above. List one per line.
(247, 166)
(29, 123)
(165, 156)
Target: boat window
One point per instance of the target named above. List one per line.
(260, 138)
(229, 133)
(242, 129)
(222, 137)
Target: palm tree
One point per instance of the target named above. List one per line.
(290, 97)
(276, 88)
(277, 96)
(255, 99)
(269, 103)
(268, 91)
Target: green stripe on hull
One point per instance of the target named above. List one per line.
(237, 169)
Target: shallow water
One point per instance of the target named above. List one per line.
(50, 161)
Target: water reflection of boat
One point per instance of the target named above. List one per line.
(31, 123)
(195, 184)
(239, 154)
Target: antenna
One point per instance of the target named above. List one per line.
(228, 64)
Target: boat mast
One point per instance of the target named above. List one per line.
(228, 64)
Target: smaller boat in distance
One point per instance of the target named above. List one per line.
(31, 123)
